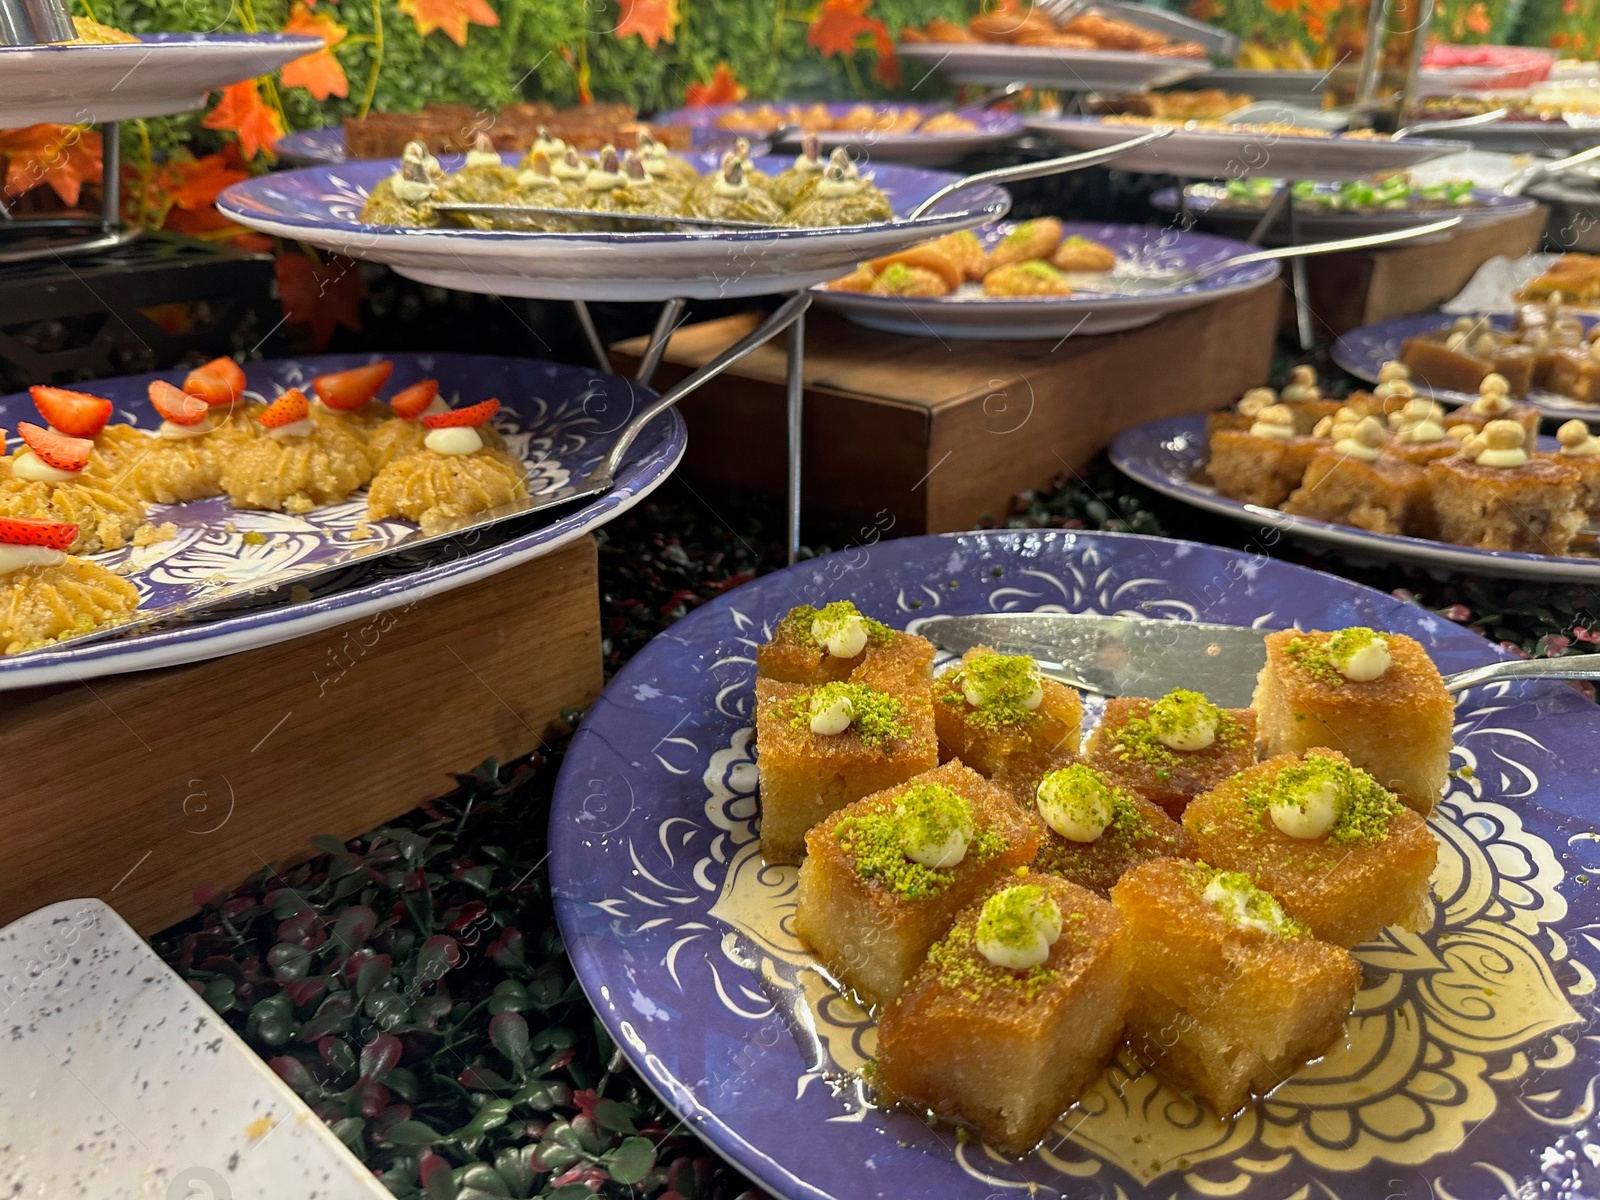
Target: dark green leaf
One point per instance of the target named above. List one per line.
(615, 1116)
(484, 1179)
(632, 1160)
(412, 1133)
(510, 996)
(349, 1131)
(219, 994)
(509, 1033)
(491, 1116)
(570, 1191)
(328, 844)
(518, 1167)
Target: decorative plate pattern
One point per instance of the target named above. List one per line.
(1315, 224)
(1363, 352)
(969, 313)
(560, 420)
(311, 146)
(1167, 454)
(1469, 1066)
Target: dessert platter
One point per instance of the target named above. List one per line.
(1035, 279)
(1059, 944)
(1217, 149)
(171, 518)
(1389, 475)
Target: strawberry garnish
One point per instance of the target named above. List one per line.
(177, 406)
(76, 414)
(410, 402)
(473, 414)
(288, 408)
(52, 535)
(55, 449)
(220, 381)
(349, 390)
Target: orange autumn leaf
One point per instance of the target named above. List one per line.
(318, 72)
(196, 183)
(722, 88)
(452, 16)
(242, 111)
(887, 69)
(64, 156)
(323, 296)
(838, 23)
(652, 20)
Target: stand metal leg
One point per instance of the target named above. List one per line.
(591, 335)
(795, 380)
(110, 177)
(1302, 288)
(659, 337)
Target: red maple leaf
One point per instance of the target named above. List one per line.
(837, 25)
(318, 72)
(452, 16)
(887, 69)
(722, 88)
(242, 110)
(323, 296)
(652, 20)
(64, 156)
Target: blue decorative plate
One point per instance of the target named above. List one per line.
(1468, 1070)
(1315, 223)
(312, 146)
(1363, 352)
(560, 420)
(1166, 455)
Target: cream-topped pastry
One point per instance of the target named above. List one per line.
(49, 480)
(483, 153)
(404, 432)
(1359, 654)
(1076, 802)
(1302, 385)
(1364, 441)
(1274, 421)
(935, 826)
(1018, 926)
(570, 167)
(47, 595)
(1184, 720)
(1253, 401)
(840, 629)
(1500, 444)
(1576, 440)
(456, 474)
(1243, 905)
(184, 460)
(301, 463)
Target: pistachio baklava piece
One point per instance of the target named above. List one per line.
(1338, 850)
(1375, 697)
(819, 748)
(995, 709)
(811, 645)
(1013, 1014)
(1169, 750)
(1229, 994)
(884, 877)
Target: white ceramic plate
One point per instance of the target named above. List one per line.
(161, 74)
(118, 1082)
(1051, 66)
(1225, 154)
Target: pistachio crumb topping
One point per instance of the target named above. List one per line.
(1184, 720)
(1018, 926)
(935, 825)
(1080, 804)
(1239, 902)
(877, 717)
(966, 972)
(1138, 742)
(998, 689)
(1363, 807)
(840, 614)
(1321, 659)
(877, 841)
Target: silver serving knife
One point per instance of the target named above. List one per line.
(1138, 656)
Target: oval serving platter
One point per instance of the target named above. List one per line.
(322, 205)
(1467, 1070)
(1204, 201)
(559, 420)
(969, 313)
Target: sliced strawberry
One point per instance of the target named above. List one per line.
(76, 414)
(53, 535)
(349, 390)
(177, 406)
(288, 408)
(410, 402)
(220, 381)
(473, 414)
(55, 449)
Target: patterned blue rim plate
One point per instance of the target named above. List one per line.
(970, 313)
(321, 206)
(1468, 1071)
(1165, 455)
(160, 74)
(1312, 223)
(560, 419)
(309, 147)
(1363, 352)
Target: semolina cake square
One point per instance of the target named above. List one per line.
(1006, 1050)
(884, 877)
(1228, 994)
(811, 645)
(1138, 746)
(1340, 852)
(1094, 831)
(1259, 470)
(1377, 698)
(875, 739)
(1389, 495)
(1533, 509)
(993, 709)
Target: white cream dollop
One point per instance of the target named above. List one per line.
(1274, 421)
(412, 191)
(1184, 721)
(844, 638)
(17, 558)
(27, 465)
(1073, 808)
(454, 439)
(832, 718)
(938, 853)
(1020, 938)
(294, 429)
(1503, 445)
(1231, 903)
(1310, 815)
(173, 432)
(1359, 654)
(977, 696)
(1576, 440)
(482, 158)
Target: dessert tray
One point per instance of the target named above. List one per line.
(321, 206)
(1166, 455)
(1209, 204)
(889, 141)
(160, 74)
(1363, 351)
(1466, 1070)
(284, 576)
(106, 1045)
(969, 313)
(1218, 153)
(1067, 69)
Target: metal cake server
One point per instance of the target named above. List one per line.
(1140, 656)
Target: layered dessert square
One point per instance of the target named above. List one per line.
(1263, 464)
(821, 747)
(884, 877)
(1228, 994)
(1496, 496)
(811, 645)
(994, 709)
(1015, 1011)
(1339, 851)
(1580, 450)
(1355, 483)
(1169, 750)
(1375, 697)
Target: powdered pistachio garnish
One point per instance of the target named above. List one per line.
(1076, 802)
(1018, 926)
(935, 825)
(1242, 904)
(876, 842)
(1322, 796)
(877, 717)
(1138, 740)
(1359, 654)
(833, 625)
(1184, 720)
(1002, 689)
